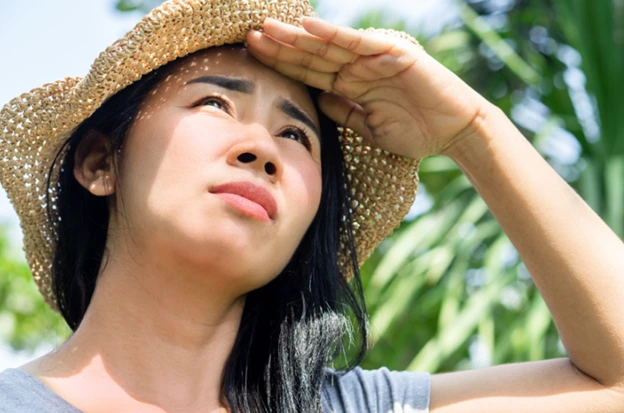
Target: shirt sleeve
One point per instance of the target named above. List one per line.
(376, 391)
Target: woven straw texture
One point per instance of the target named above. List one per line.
(34, 125)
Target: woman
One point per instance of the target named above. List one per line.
(198, 225)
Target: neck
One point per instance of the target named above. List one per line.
(161, 333)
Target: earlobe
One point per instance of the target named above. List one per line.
(93, 167)
(102, 186)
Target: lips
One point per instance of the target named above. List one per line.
(251, 194)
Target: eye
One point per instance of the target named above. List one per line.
(215, 101)
(297, 134)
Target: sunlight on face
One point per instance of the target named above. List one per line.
(220, 117)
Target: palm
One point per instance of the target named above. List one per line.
(385, 88)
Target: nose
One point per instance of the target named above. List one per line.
(258, 152)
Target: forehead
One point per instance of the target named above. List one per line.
(235, 61)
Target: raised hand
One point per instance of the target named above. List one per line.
(387, 89)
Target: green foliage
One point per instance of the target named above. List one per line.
(26, 321)
(142, 6)
(596, 30)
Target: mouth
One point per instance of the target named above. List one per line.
(248, 198)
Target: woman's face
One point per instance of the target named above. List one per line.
(222, 117)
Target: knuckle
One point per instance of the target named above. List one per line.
(346, 89)
(334, 67)
(373, 121)
(297, 39)
(323, 50)
(333, 36)
(302, 75)
(351, 73)
(355, 42)
(307, 60)
(345, 56)
(280, 52)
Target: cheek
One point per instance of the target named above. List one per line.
(177, 152)
(306, 181)
(165, 166)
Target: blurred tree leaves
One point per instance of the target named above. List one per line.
(142, 6)
(26, 322)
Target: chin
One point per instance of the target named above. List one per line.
(249, 262)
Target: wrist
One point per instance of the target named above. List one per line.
(476, 136)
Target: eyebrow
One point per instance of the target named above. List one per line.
(248, 87)
(238, 85)
(293, 111)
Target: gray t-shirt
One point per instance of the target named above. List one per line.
(357, 391)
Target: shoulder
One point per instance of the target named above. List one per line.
(379, 390)
(15, 389)
(21, 392)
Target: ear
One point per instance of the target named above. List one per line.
(93, 166)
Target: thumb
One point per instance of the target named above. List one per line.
(345, 113)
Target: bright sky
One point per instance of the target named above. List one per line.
(46, 40)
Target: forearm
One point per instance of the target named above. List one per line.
(574, 258)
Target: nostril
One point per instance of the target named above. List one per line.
(269, 168)
(247, 157)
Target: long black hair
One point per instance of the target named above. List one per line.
(291, 328)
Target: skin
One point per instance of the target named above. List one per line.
(401, 99)
(176, 280)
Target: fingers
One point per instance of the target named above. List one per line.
(263, 44)
(316, 53)
(355, 41)
(302, 73)
(298, 38)
(345, 113)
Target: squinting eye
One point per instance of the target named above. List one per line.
(298, 135)
(213, 101)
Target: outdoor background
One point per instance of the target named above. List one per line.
(447, 291)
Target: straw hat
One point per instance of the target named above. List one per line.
(34, 125)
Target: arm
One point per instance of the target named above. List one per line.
(576, 262)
